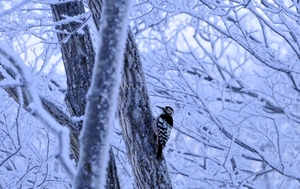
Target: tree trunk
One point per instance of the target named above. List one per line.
(136, 119)
(77, 53)
(78, 58)
(102, 96)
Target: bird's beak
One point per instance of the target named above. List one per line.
(160, 107)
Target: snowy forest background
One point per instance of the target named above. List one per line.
(230, 70)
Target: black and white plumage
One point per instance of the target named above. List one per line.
(162, 127)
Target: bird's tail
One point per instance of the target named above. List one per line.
(159, 151)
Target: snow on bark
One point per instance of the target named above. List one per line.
(77, 54)
(78, 58)
(102, 96)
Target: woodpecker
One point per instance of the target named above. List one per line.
(162, 127)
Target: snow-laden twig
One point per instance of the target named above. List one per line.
(36, 108)
(15, 7)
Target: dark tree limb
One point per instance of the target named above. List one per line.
(95, 7)
(77, 53)
(78, 58)
(136, 119)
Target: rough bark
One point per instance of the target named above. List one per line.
(95, 7)
(77, 53)
(78, 58)
(136, 118)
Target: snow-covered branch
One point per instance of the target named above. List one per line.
(35, 107)
(102, 96)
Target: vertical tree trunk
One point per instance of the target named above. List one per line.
(78, 57)
(136, 119)
(77, 53)
(102, 96)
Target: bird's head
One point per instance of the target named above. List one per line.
(167, 110)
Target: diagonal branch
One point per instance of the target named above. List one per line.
(35, 107)
(57, 113)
